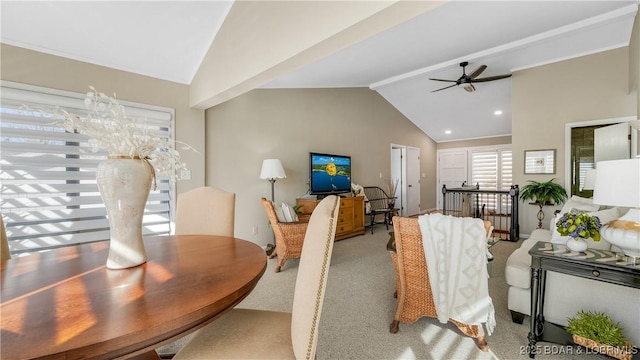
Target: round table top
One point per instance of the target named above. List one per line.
(65, 303)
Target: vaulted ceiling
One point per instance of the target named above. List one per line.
(170, 39)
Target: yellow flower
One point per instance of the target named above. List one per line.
(331, 169)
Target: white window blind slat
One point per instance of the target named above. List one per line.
(491, 169)
(37, 216)
(49, 196)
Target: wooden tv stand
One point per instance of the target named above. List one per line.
(350, 217)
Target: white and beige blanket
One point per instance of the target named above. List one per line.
(456, 252)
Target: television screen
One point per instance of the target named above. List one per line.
(329, 174)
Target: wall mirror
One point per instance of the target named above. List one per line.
(587, 142)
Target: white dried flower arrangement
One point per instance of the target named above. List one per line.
(109, 128)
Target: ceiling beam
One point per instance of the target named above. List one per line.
(285, 35)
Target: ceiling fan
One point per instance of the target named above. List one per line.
(468, 80)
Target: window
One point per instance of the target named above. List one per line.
(491, 169)
(49, 193)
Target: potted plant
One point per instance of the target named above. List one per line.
(543, 193)
(579, 226)
(597, 331)
(392, 186)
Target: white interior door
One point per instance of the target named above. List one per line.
(612, 142)
(452, 170)
(397, 172)
(412, 165)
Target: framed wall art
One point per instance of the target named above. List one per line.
(540, 161)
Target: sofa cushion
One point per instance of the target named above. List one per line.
(517, 268)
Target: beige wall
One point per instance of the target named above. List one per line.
(545, 98)
(288, 124)
(35, 68)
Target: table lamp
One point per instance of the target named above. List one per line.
(618, 184)
(272, 170)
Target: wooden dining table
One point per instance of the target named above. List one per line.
(65, 303)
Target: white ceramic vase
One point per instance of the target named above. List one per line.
(124, 185)
(577, 245)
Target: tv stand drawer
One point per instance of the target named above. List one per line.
(350, 217)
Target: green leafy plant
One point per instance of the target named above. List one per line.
(298, 209)
(543, 193)
(596, 326)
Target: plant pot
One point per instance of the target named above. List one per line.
(577, 245)
(625, 353)
(124, 185)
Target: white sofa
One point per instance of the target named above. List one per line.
(565, 294)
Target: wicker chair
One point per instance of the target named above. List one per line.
(413, 291)
(289, 236)
(378, 203)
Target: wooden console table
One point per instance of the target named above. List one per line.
(350, 217)
(598, 265)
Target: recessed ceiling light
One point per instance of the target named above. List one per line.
(498, 112)
(447, 132)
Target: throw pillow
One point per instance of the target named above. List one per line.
(579, 203)
(279, 213)
(289, 213)
(604, 215)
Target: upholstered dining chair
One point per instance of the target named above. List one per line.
(289, 236)
(206, 210)
(260, 334)
(413, 290)
(5, 253)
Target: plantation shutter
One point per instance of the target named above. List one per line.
(484, 169)
(49, 195)
(491, 169)
(506, 161)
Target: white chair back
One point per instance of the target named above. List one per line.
(5, 253)
(311, 281)
(205, 210)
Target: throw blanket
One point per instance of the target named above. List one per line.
(456, 252)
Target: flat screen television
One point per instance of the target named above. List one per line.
(329, 174)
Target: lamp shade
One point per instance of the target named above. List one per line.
(617, 183)
(589, 179)
(272, 169)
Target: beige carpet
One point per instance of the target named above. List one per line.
(359, 307)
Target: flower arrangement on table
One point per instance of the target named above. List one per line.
(109, 128)
(579, 225)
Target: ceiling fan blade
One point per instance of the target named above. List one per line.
(446, 87)
(470, 88)
(478, 71)
(443, 80)
(491, 78)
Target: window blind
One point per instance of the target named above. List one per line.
(49, 195)
(491, 169)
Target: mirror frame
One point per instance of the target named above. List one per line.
(567, 141)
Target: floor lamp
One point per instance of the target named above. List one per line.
(272, 170)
